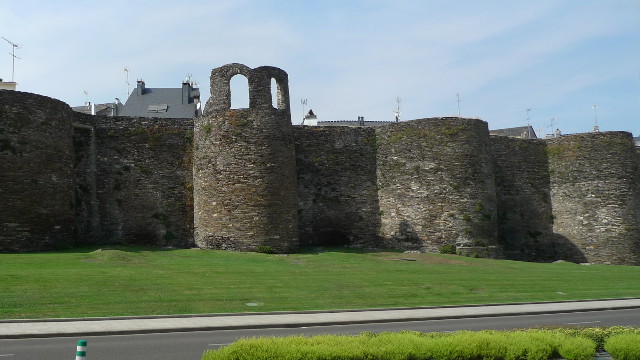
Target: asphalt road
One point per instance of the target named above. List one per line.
(191, 345)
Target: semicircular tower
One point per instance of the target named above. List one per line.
(244, 166)
(37, 197)
(595, 193)
(437, 187)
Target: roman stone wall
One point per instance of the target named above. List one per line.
(36, 173)
(134, 180)
(436, 185)
(337, 194)
(595, 197)
(523, 192)
(244, 166)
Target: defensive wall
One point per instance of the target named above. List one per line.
(246, 179)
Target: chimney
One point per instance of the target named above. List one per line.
(186, 92)
(140, 88)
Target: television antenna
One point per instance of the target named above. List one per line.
(127, 70)
(528, 124)
(303, 102)
(14, 46)
(397, 111)
(596, 128)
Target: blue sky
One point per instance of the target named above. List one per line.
(349, 58)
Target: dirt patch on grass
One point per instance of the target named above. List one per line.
(424, 258)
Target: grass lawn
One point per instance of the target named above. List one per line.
(142, 281)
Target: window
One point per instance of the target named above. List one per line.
(161, 108)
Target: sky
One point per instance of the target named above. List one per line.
(510, 63)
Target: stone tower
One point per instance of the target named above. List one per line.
(244, 166)
(36, 173)
(436, 186)
(595, 193)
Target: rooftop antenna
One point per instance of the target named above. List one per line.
(551, 124)
(14, 46)
(303, 102)
(397, 111)
(596, 128)
(528, 123)
(458, 97)
(127, 69)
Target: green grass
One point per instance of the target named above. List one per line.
(142, 281)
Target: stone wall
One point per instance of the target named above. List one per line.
(36, 173)
(337, 195)
(141, 189)
(244, 166)
(245, 179)
(595, 197)
(436, 185)
(525, 220)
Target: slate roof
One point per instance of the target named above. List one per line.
(525, 132)
(162, 102)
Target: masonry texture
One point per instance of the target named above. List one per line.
(244, 166)
(337, 195)
(36, 172)
(135, 182)
(436, 185)
(594, 190)
(247, 180)
(525, 219)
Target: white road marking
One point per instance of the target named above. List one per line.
(584, 322)
(217, 344)
(6, 355)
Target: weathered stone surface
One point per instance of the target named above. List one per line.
(436, 185)
(142, 190)
(36, 173)
(525, 220)
(254, 181)
(244, 166)
(596, 197)
(337, 194)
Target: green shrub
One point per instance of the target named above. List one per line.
(461, 345)
(447, 249)
(577, 348)
(623, 346)
(598, 334)
(265, 249)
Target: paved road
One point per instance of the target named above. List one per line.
(191, 345)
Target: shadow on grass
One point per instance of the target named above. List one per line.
(315, 250)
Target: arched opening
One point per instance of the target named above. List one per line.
(275, 93)
(239, 87)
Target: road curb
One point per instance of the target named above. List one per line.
(607, 304)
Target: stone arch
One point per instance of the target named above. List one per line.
(220, 99)
(239, 92)
(259, 79)
(262, 90)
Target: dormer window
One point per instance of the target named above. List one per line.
(162, 108)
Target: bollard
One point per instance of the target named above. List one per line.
(81, 350)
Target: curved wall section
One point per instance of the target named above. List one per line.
(36, 173)
(595, 197)
(525, 221)
(245, 167)
(436, 185)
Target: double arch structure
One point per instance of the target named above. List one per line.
(259, 81)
